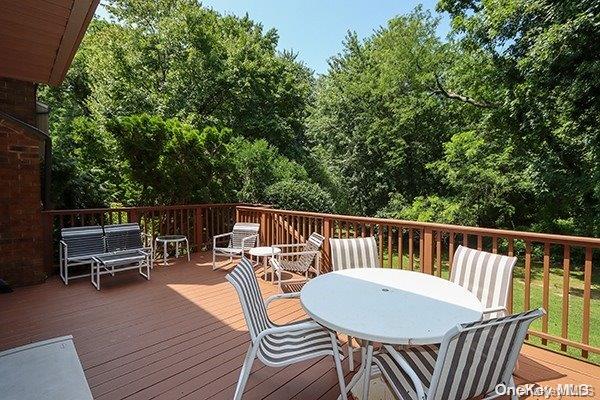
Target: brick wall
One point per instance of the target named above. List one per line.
(21, 257)
(17, 98)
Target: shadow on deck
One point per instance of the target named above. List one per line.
(182, 335)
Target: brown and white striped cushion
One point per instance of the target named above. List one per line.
(354, 253)
(471, 361)
(486, 275)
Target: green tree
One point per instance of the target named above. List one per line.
(542, 57)
(172, 162)
(375, 113)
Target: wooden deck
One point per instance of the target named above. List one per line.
(182, 335)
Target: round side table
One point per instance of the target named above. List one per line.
(177, 239)
(265, 252)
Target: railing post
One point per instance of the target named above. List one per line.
(427, 257)
(133, 216)
(263, 229)
(198, 228)
(326, 248)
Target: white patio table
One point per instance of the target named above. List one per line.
(387, 306)
(265, 252)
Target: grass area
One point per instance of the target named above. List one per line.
(555, 300)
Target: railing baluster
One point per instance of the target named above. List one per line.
(438, 252)
(390, 246)
(527, 300)
(511, 246)
(411, 249)
(587, 295)
(546, 290)
(380, 242)
(450, 251)
(565, 294)
(400, 246)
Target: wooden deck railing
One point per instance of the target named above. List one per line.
(554, 271)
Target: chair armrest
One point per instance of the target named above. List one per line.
(298, 253)
(409, 371)
(286, 328)
(280, 296)
(287, 246)
(222, 235)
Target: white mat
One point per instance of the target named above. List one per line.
(48, 370)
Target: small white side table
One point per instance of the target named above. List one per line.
(265, 252)
(177, 239)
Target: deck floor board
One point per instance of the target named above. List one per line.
(182, 335)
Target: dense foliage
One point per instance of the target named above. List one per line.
(496, 125)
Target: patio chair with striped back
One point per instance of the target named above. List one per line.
(472, 360)
(278, 345)
(243, 237)
(300, 258)
(354, 253)
(488, 276)
(78, 246)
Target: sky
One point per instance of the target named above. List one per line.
(315, 29)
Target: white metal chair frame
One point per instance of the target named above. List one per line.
(230, 251)
(505, 378)
(126, 260)
(292, 253)
(256, 339)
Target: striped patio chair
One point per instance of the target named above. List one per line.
(78, 246)
(486, 275)
(278, 345)
(301, 258)
(354, 253)
(472, 360)
(243, 237)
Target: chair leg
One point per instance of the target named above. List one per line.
(513, 396)
(245, 372)
(338, 366)
(214, 261)
(350, 354)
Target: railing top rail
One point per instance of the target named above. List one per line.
(531, 236)
(146, 208)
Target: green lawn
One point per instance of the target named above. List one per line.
(555, 302)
